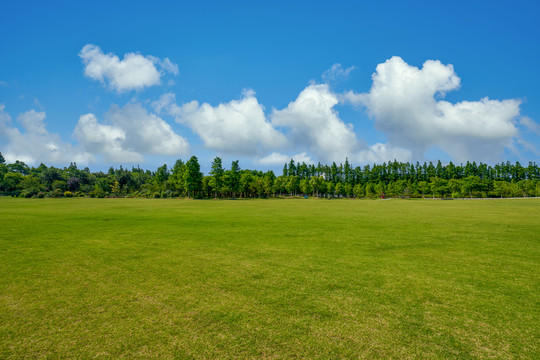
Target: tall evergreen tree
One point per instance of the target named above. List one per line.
(193, 177)
(347, 171)
(217, 173)
(292, 168)
(162, 175)
(234, 178)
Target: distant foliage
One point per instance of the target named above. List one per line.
(184, 179)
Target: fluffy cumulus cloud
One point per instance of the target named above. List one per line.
(315, 124)
(102, 139)
(130, 132)
(406, 104)
(238, 127)
(133, 72)
(34, 144)
(308, 127)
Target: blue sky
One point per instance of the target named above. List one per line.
(140, 83)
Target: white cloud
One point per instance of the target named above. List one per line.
(336, 72)
(166, 103)
(529, 147)
(379, 153)
(133, 72)
(530, 124)
(132, 132)
(238, 127)
(315, 123)
(33, 121)
(35, 144)
(167, 65)
(5, 119)
(404, 102)
(147, 132)
(104, 139)
(276, 158)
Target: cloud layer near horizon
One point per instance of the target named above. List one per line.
(34, 143)
(405, 103)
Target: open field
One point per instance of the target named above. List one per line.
(132, 278)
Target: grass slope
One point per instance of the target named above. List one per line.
(110, 278)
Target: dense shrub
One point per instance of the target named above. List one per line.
(57, 193)
(59, 185)
(26, 194)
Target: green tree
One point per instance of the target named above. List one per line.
(3, 172)
(340, 189)
(293, 184)
(115, 188)
(2, 160)
(234, 178)
(455, 187)
(192, 177)
(19, 167)
(316, 183)
(258, 186)
(30, 185)
(279, 185)
(102, 185)
(206, 187)
(380, 188)
(401, 188)
(292, 168)
(246, 180)
(502, 188)
(49, 175)
(177, 176)
(471, 184)
(526, 187)
(161, 176)
(438, 186)
(217, 173)
(391, 190)
(423, 187)
(12, 181)
(330, 188)
(305, 187)
(370, 189)
(59, 185)
(347, 171)
(269, 179)
(358, 190)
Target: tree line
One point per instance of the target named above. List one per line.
(185, 179)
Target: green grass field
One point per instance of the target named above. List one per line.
(138, 278)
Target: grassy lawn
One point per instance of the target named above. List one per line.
(138, 278)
